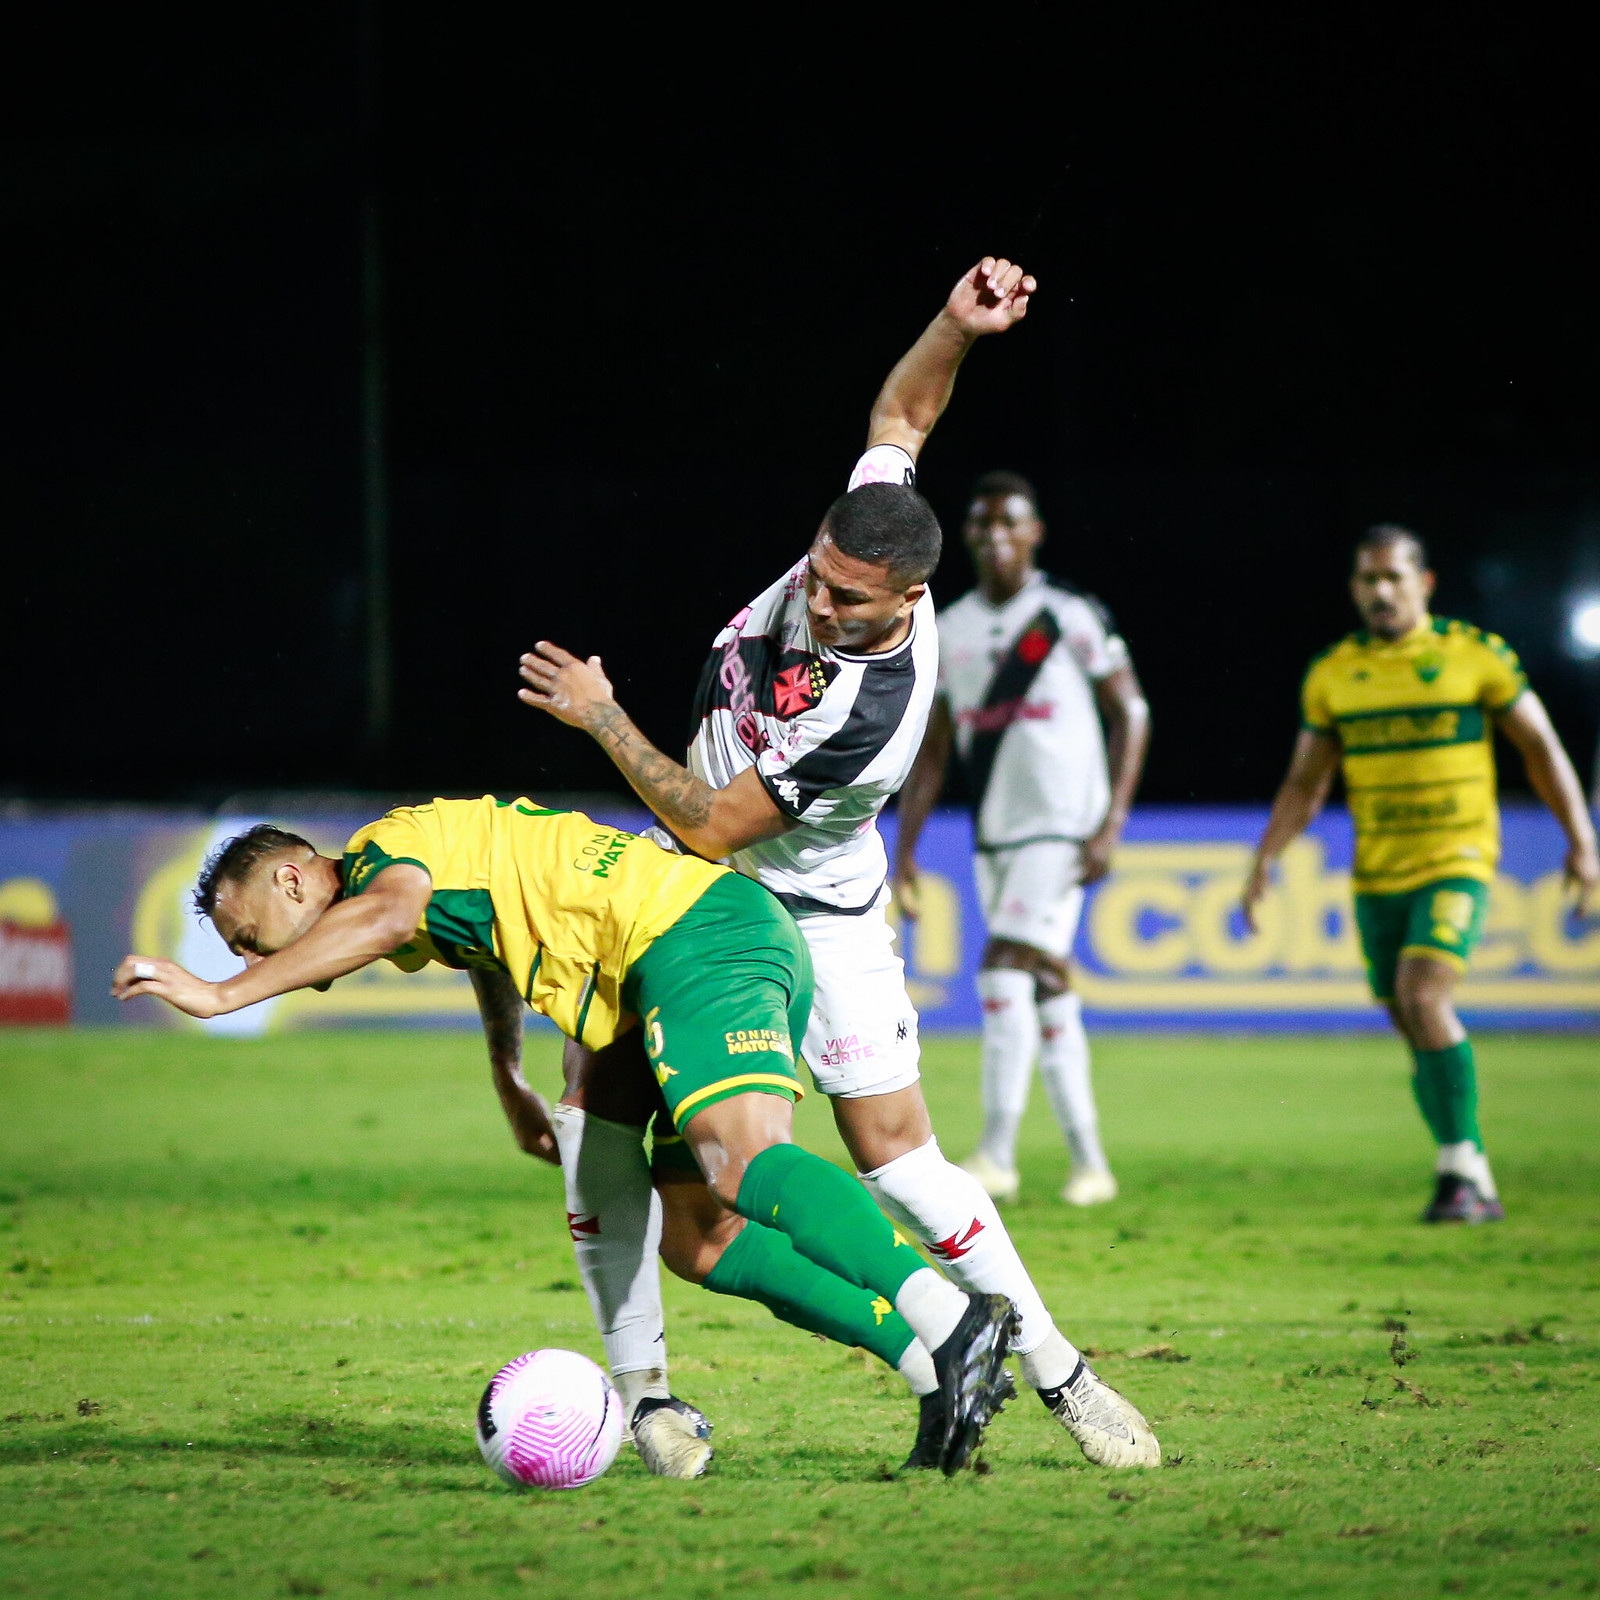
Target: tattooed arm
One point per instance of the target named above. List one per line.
(711, 822)
(500, 1006)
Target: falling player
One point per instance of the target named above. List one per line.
(809, 714)
(1410, 705)
(1029, 670)
(601, 930)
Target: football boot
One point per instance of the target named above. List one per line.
(1089, 1188)
(973, 1381)
(672, 1437)
(1458, 1199)
(1109, 1429)
(999, 1183)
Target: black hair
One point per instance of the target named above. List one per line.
(236, 858)
(1005, 483)
(890, 525)
(1383, 534)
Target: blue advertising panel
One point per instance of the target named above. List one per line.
(1161, 943)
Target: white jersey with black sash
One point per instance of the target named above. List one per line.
(831, 734)
(1020, 681)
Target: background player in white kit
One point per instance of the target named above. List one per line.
(1028, 670)
(810, 712)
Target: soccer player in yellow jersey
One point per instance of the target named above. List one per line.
(603, 932)
(1409, 706)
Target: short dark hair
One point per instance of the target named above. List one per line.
(1004, 483)
(1383, 534)
(890, 525)
(236, 858)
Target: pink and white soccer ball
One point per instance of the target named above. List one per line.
(550, 1420)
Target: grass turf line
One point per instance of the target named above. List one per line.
(254, 1290)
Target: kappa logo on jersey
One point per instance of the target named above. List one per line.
(579, 1225)
(958, 1244)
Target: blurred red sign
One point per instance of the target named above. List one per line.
(35, 975)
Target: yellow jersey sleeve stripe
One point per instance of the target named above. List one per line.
(747, 1080)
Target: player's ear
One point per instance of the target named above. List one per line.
(1428, 582)
(909, 599)
(288, 877)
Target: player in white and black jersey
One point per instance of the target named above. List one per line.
(809, 716)
(1034, 685)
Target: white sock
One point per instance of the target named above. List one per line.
(1064, 1066)
(1466, 1160)
(932, 1305)
(916, 1367)
(947, 1209)
(615, 1219)
(632, 1387)
(1010, 1042)
(1051, 1364)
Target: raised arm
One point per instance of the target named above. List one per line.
(989, 299)
(918, 796)
(500, 1007)
(347, 936)
(1299, 799)
(1126, 714)
(711, 822)
(1527, 725)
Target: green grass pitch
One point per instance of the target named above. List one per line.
(254, 1290)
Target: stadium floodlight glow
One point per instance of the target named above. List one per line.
(1583, 626)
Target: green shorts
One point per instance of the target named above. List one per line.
(723, 996)
(1442, 920)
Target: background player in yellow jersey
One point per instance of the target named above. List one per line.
(1410, 705)
(603, 932)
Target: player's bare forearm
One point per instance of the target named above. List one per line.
(346, 937)
(1550, 771)
(1301, 795)
(500, 1008)
(920, 792)
(989, 299)
(711, 822)
(1127, 719)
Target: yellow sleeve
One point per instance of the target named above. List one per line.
(381, 844)
(1314, 712)
(1503, 677)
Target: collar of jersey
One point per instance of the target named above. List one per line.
(881, 655)
(1373, 642)
(1035, 578)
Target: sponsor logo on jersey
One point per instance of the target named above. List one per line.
(602, 853)
(842, 1051)
(752, 1041)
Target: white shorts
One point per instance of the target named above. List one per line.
(862, 1035)
(1033, 893)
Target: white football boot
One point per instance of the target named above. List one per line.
(1109, 1430)
(1089, 1188)
(999, 1183)
(672, 1438)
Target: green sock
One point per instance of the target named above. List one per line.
(1448, 1080)
(1424, 1087)
(829, 1217)
(762, 1265)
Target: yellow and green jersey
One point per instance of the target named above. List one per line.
(563, 904)
(1415, 719)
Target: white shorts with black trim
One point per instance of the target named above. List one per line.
(1033, 893)
(862, 1036)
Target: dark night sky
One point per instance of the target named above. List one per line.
(638, 301)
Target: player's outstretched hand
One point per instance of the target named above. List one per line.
(1255, 889)
(168, 981)
(991, 297)
(558, 682)
(1583, 876)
